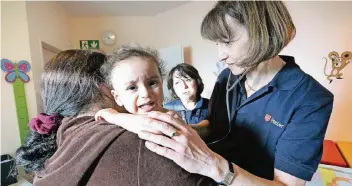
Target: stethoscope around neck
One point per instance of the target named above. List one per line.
(228, 90)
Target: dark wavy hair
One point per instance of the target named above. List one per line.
(184, 70)
(69, 86)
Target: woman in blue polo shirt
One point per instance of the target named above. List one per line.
(186, 86)
(268, 118)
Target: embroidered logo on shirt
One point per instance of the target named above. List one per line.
(268, 118)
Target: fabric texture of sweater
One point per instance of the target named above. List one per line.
(98, 153)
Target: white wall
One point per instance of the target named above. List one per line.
(47, 22)
(128, 29)
(181, 26)
(14, 46)
(23, 26)
(323, 27)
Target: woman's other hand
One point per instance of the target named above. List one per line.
(186, 148)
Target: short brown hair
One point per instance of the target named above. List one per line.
(184, 70)
(269, 25)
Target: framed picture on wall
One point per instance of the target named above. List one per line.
(172, 56)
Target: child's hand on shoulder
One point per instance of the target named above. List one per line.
(106, 115)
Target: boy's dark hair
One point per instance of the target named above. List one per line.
(184, 70)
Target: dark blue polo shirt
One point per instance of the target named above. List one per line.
(194, 116)
(280, 126)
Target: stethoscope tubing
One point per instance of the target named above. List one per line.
(228, 90)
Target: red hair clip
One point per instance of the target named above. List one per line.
(44, 124)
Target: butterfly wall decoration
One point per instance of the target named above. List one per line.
(16, 74)
(16, 70)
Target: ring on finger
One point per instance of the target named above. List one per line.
(176, 133)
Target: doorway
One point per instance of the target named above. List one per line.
(48, 52)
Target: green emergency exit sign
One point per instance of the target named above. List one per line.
(89, 44)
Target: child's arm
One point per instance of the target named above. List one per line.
(202, 124)
(113, 116)
(131, 122)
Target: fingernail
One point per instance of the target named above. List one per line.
(148, 144)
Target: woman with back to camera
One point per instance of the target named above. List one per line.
(66, 146)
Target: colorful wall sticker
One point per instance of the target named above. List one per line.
(16, 74)
(337, 63)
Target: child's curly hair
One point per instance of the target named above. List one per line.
(128, 51)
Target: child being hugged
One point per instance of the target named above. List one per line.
(135, 76)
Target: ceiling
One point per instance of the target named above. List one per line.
(118, 8)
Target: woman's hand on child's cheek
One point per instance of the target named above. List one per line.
(105, 115)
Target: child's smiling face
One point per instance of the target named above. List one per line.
(137, 85)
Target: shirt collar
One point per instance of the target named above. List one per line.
(199, 103)
(180, 105)
(289, 75)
